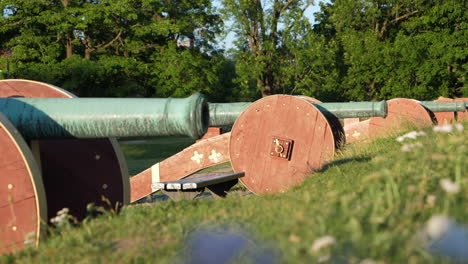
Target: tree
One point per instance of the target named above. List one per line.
(264, 30)
(398, 48)
(114, 47)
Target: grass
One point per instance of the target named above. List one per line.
(142, 153)
(373, 200)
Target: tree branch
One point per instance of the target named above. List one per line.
(103, 46)
(286, 6)
(404, 16)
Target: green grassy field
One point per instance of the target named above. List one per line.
(142, 153)
(367, 206)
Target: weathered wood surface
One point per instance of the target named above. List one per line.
(28, 88)
(211, 132)
(402, 113)
(350, 121)
(198, 156)
(273, 119)
(23, 208)
(74, 172)
(444, 117)
(357, 131)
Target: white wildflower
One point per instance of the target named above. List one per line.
(409, 147)
(63, 211)
(459, 127)
(447, 128)
(30, 238)
(411, 135)
(322, 242)
(449, 186)
(62, 216)
(437, 226)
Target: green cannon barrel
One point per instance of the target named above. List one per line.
(444, 107)
(107, 117)
(225, 114)
(353, 109)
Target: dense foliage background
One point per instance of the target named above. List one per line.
(357, 50)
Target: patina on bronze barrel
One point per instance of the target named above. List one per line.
(225, 114)
(41, 118)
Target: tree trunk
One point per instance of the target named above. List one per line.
(265, 86)
(88, 53)
(69, 48)
(267, 90)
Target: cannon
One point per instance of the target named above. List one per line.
(59, 152)
(295, 131)
(445, 117)
(445, 110)
(445, 107)
(402, 113)
(64, 153)
(225, 114)
(279, 140)
(463, 115)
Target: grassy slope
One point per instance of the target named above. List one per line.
(373, 199)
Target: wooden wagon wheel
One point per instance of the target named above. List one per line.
(23, 208)
(75, 172)
(278, 141)
(402, 113)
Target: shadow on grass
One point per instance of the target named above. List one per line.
(343, 161)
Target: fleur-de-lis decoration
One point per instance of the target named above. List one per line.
(197, 157)
(356, 134)
(215, 156)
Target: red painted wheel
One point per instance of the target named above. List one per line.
(444, 117)
(23, 208)
(75, 172)
(402, 113)
(277, 141)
